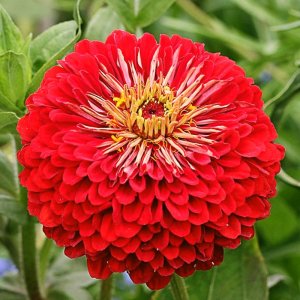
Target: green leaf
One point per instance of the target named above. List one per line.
(239, 42)
(8, 182)
(15, 74)
(288, 131)
(281, 225)
(150, 11)
(5, 138)
(10, 205)
(284, 291)
(11, 296)
(242, 276)
(283, 251)
(12, 209)
(12, 283)
(59, 54)
(61, 266)
(32, 10)
(295, 13)
(51, 41)
(280, 101)
(54, 295)
(102, 24)
(76, 278)
(258, 11)
(125, 10)
(10, 35)
(69, 277)
(70, 293)
(139, 13)
(7, 120)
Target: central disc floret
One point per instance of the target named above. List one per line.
(152, 108)
(146, 120)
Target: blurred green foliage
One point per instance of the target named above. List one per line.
(261, 35)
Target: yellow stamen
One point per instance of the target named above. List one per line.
(192, 107)
(148, 119)
(116, 139)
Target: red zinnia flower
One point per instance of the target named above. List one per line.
(147, 157)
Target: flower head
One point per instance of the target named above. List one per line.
(147, 157)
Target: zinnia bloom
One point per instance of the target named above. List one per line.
(147, 157)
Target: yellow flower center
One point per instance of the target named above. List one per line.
(150, 108)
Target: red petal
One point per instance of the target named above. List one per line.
(180, 198)
(107, 188)
(195, 235)
(154, 171)
(187, 253)
(200, 190)
(147, 196)
(233, 230)
(116, 265)
(146, 217)
(127, 230)
(145, 256)
(132, 245)
(82, 190)
(158, 261)
(145, 234)
(189, 177)
(95, 172)
(76, 251)
(107, 228)
(170, 252)
(70, 176)
(186, 270)
(165, 271)
(179, 212)
(161, 240)
(125, 194)
(86, 228)
(138, 183)
(118, 253)
(180, 229)
(248, 148)
(98, 243)
(132, 212)
(142, 273)
(98, 268)
(240, 172)
(161, 190)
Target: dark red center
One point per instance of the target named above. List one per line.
(153, 109)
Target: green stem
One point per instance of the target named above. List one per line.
(106, 288)
(198, 15)
(29, 261)
(45, 254)
(178, 288)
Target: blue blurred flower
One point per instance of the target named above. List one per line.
(6, 266)
(127, 279)
(265, 77)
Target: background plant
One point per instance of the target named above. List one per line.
(262, 36)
